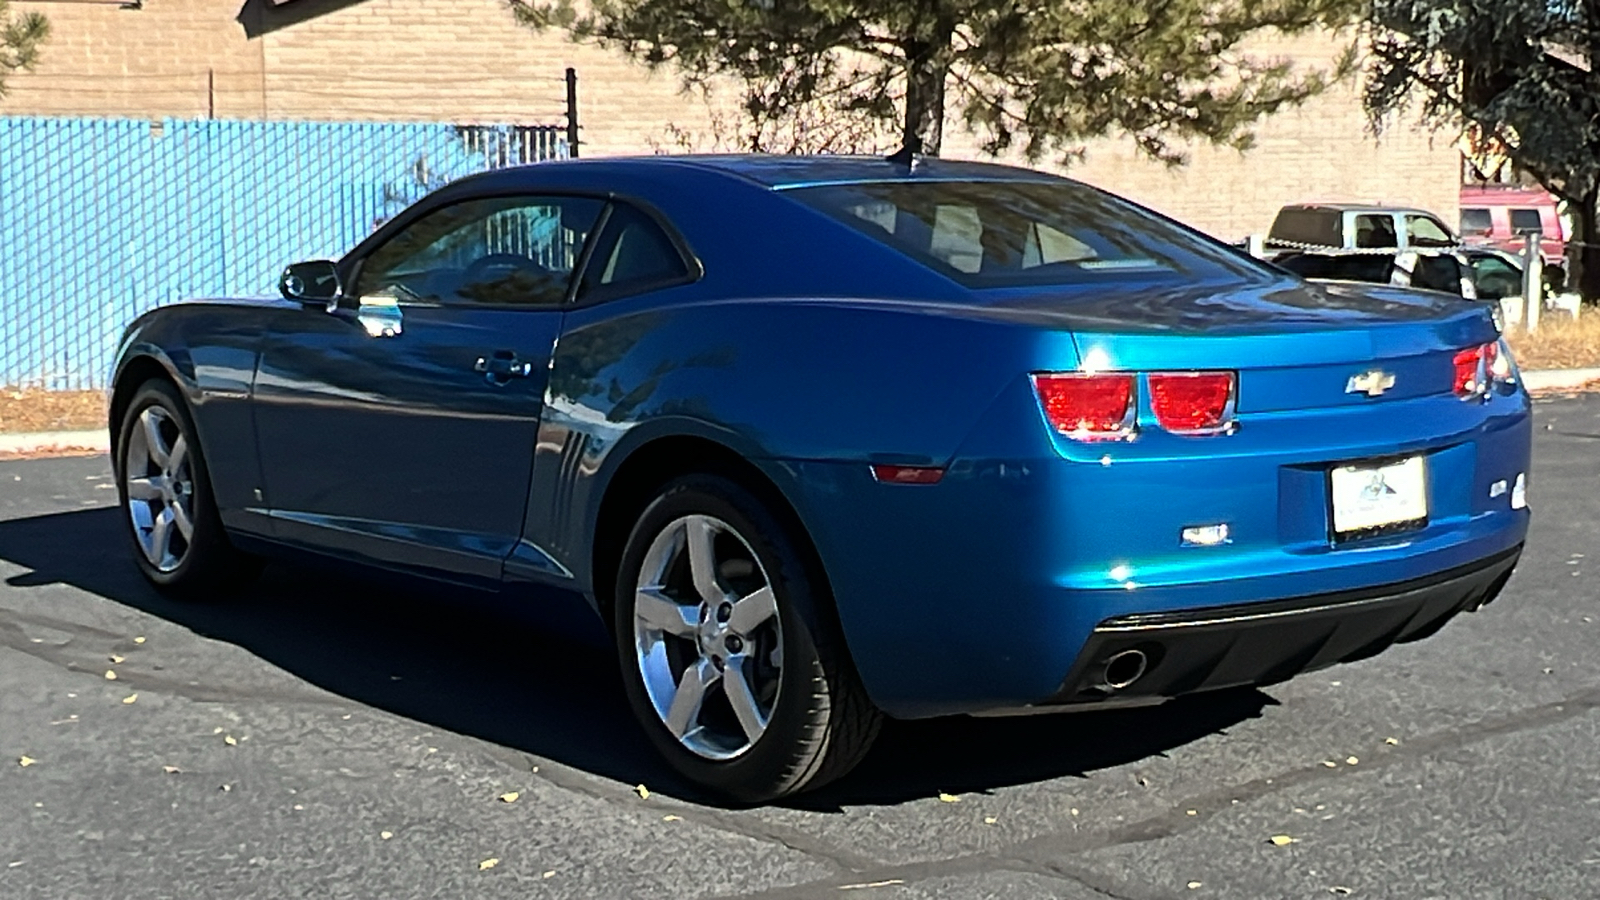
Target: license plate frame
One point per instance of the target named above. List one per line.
(1377, 497)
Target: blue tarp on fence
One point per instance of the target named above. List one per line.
(102, 219)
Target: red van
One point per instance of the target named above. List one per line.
(1499, 217)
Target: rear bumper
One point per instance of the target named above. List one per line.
(1264, 643)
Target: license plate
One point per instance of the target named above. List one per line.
(1373, 496)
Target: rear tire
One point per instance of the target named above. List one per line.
(731, 660)
(178, 540)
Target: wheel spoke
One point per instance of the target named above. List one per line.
(180, 519)
(145, 488)
(751, 610)
(662, 612)
(178, 457)
(700, 538)
(736, 684)
(154, 443)
(161, 536)
(691, 694)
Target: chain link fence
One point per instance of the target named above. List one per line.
(103, 219)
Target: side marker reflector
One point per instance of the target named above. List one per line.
(907, 474)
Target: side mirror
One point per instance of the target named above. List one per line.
(312, 282)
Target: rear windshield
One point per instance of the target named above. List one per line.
(989, 234)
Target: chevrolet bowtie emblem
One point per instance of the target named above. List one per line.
(1372, 383)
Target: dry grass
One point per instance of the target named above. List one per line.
(24, 410)
(1560, 342)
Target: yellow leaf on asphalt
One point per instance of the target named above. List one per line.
(1191, 812)
(230, 740)
(217, 730)
(549, 874)
(1340, 889)
(1330, 764)
(116, 659)
(139, 639)
(130, 699)
(642, 791)
(1283, 840)
(1351, 760)
(989, 820)
(1391, 741)
(948, 798)
(386, 834)
(1193, 884)
(171, 770)
(510, 796)
(672, 818)
(110, 675)
(26, 761)
(489, 863)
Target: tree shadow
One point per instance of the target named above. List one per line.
(537, 673)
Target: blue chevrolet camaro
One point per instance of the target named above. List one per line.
(823, 440)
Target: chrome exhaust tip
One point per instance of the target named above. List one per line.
(1123, 669)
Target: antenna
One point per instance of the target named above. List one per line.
(908, 153)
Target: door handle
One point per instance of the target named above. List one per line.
(501, 366)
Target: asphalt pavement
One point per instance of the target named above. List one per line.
(324, 735)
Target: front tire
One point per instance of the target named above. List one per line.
(731, 661)
(165, 489)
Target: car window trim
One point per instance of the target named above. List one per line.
(400, 223)
(694, 269)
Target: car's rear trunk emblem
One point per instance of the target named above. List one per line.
(1372, 383)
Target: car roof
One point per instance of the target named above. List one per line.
(781, 171)
(1359, 207)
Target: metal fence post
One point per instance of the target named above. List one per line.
(1532, 279)
(572, 112)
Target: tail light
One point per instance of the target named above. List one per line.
(1088, 407)
(1479, 368)
(1193, 402)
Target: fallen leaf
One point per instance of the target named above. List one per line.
(989, 820)
(642, 791)
(1283, 840)
(1191, 812)
(1340, 889)
(1073, 810)
(948, 798)
(1391, 741)
(489, 863)
(13, 865)
(117, 659)
(1330, 764)
(386, 834)
(549, 874)
(1193, 884)
(230, 740)
(871, 884)
(139, 639)
(130, 699)
(510, 796)
(299, 808)
(110, 675)
(1351, 760)
(171, 770)
(227, 787)
(26, 761)
(217, 730)
(672, 818)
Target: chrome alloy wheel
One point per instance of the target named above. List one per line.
(708, 636)
(160, 488)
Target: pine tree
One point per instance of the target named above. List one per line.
(1523, 73)
(1041, 76)
(20, 38)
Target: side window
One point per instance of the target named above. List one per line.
(501, 251)
(1425, 231)
(633, 254)
(1476, 221)
(1438, 273)
(1375, 231)
(1525, 221)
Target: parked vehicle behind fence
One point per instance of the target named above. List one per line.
(1353, 226)
(1501, 217)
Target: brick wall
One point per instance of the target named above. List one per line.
(468, 61)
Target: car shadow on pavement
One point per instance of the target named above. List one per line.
(542, 678)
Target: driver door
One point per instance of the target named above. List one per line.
(400, 428)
